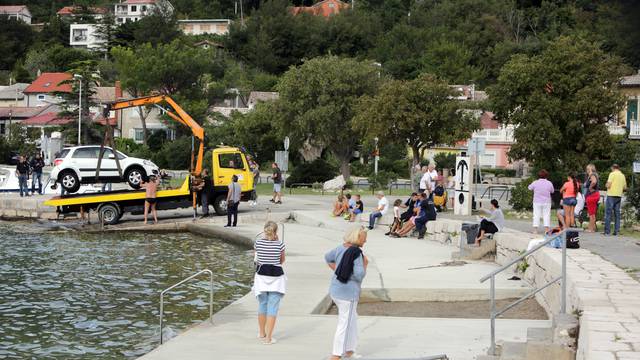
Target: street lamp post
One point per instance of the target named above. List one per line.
(376, 157)
(79, 78)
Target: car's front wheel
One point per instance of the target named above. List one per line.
(134, 176)
(69, 181)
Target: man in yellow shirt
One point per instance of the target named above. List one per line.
(616, 184)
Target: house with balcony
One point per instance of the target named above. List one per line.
(134, 10)
(628, 117)
(85, 36)
(204, 26)
(44, 90)
(18, 12)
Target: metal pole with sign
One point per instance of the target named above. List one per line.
(286, 160)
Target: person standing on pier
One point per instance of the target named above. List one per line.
(233, 200)
(269, 282)
(36, 173)
(22, 171)
(350, 267)
(151, 188)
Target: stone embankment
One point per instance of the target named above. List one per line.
(604, 296)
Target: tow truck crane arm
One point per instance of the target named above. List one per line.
(180, 116)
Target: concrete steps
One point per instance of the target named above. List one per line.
(542, 343)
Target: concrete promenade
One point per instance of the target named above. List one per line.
(304, 334)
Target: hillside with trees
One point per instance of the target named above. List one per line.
(478, 42)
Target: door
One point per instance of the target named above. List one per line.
(227, 164)
(85, 159)
(108, 168)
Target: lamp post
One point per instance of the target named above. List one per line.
(376, 153)
(79, 78)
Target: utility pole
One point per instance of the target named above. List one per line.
(79, 77)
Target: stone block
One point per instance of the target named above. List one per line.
(438, 226)
(600, 355)
(628, 355)
(431, 227)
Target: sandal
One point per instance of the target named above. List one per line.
(273, 341)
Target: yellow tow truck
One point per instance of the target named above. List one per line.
(226, 162)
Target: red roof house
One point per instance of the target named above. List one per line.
(49, 83)
(324, 8)
(47, 119)
(77, 10)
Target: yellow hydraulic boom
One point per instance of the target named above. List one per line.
(178, 115)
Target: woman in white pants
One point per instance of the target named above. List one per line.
(542, 190)
(349, 265)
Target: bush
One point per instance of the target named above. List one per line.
(500, 172)
(175, 155)
(521, 197)
(445, 160)
(318, 170)
(633, 198)
(382, 180)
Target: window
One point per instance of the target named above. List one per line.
(632, 110)
(134, 8)
(41, 97)
(144, 8)
(79, 34)
(86, 153)
(109, 152)
(2, 129)
(138, 135)
(205, 27)
(231, 161)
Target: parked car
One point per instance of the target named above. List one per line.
(77, 165)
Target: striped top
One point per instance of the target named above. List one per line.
(268, 251)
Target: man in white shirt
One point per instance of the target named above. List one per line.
(428, 181)
(423, 181)
(383, 206)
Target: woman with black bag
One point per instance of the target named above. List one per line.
(269, 282)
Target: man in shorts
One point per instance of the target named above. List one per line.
(277, 184)
(151, 188)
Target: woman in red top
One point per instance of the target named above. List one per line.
(569, 192)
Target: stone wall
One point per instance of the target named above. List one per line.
(606, 298)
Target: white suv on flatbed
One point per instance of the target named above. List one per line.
(77, 165)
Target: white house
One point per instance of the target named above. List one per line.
(12, 95)
(18, 12)
(205, 26)
(134, 10)
(84, 36)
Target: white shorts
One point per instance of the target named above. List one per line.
(277, 188)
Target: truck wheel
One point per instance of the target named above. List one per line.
(109, 213)
(69, 181)
(220, 204)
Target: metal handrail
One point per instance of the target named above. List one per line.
(562, 278)
(180, 283)
(505, 190)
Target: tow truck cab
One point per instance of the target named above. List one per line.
(226, 162)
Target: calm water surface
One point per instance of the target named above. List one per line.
(79, 296)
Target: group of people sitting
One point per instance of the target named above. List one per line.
(420, 209)
(348, 206)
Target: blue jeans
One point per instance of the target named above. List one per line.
(372, 218)
(36, 176)
(22, 183)
(269, 302)
(421, 222)
(612, 207)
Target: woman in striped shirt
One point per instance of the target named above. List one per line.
(269, 282)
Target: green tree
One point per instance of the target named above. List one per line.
(15, 39)
(420, 113)
(90, 79)
(173, 69)
(106, 31)
(317, 102)
(559, 102)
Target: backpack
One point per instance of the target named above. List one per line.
(438, 191)
(573, 240)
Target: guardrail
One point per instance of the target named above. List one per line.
(493, 189)
(562, 278)
(180, 283)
